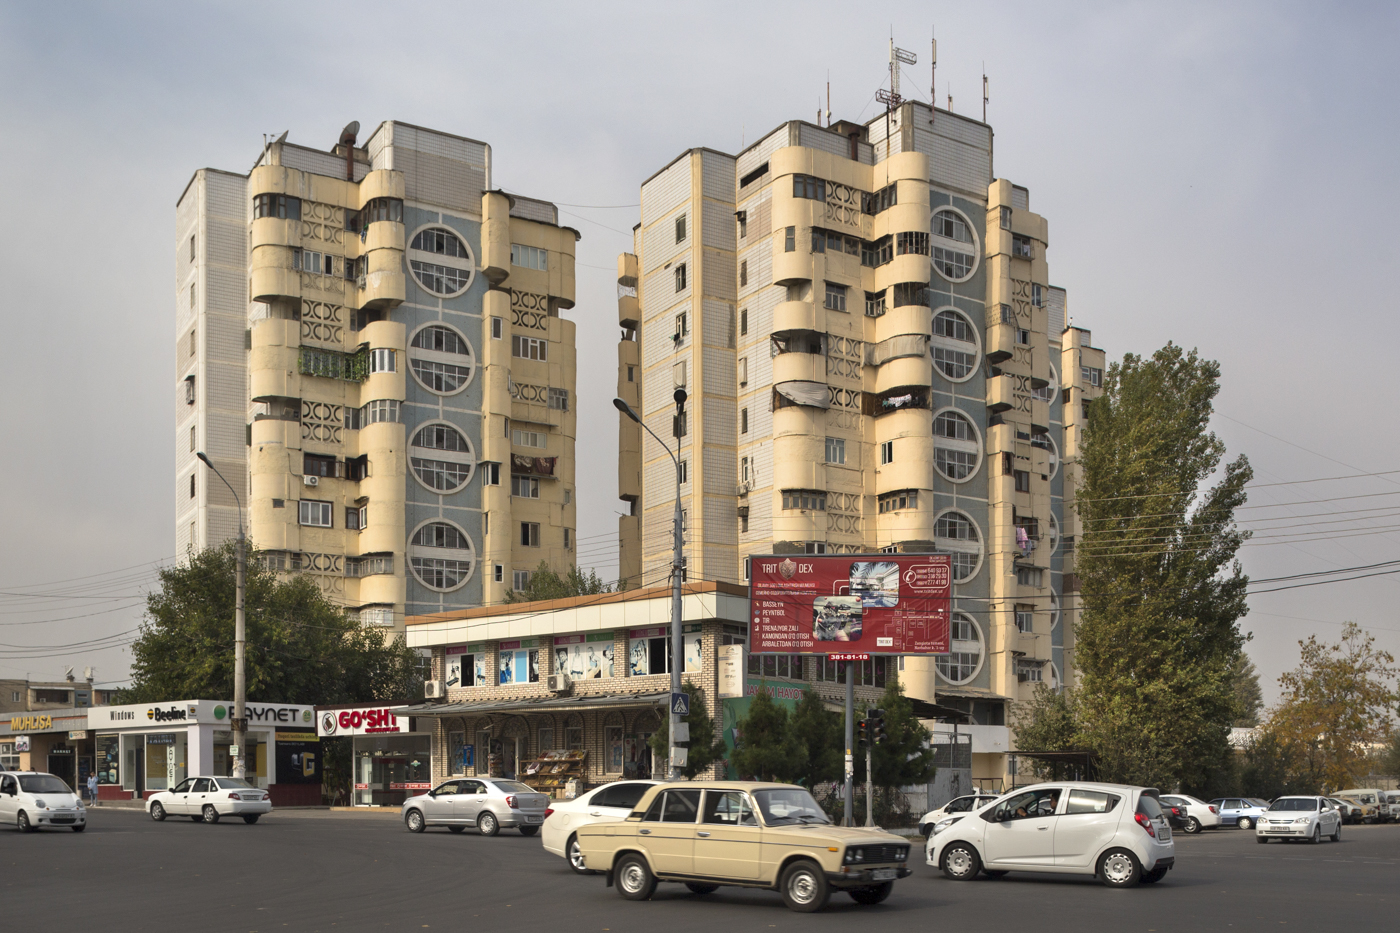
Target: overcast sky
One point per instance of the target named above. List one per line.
(1219, 177)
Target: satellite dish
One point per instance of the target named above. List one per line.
(68, 673)
(347, 135)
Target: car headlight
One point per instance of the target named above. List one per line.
(1302, 819)
(854, 855)
(944, 824)
(40, 804)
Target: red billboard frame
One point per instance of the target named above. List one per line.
(840, 604)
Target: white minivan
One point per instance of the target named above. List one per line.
(1114, 832)
(33, 800)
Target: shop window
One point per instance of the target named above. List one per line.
(520, 667)
(466, 670)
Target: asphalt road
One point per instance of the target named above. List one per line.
(318, 871)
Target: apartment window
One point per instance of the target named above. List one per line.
(568, 495)
(818, 240)
(683, 472)
(682, 326)
(192, 284)
(790, 240)
(1006, 218)
(911, 244)
(743, 370)
(527, 438)
(496, 328)
(276, 205)
(680, 229)
(744, 273)
(1092, 376)
(315, 514)
(355, 518)
(490, 474)
(1036, 298)
(835, 450)
(309, 260)
(498, 573)
(910, 293)
(956, 449)
(529, 534)
(895, 501)
(1024, 615)
(568, 539)
(887, 452)
(808, 186)
(524, 487)
(381, 360)
(1023, 336)
(486, 523)
(814, 547)
(743, 421)
(529, 257)
(955, 364)
(191, 485)
(877, 201)
(1023, 480)
(743, 321)
(878, 252)
(191, 438)
(520, 579)
(529, 348)
(744, 474)
(440, 261)
(1029, 576)
(316, 465)
(1007, 315)
(631, 374)
(379, 410)
(963, 662)
(955, 533)
(680, 277)
(953, 325)
(378, 209)
(874, 304)
(191, 247)
(743, 218)
(192, 342)
(559, 399)
(806, 500)
(835, 297)
(1021, 247)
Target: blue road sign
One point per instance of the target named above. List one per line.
(680, 704)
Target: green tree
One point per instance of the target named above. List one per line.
(705, 748)
(1269, 767)
(1388, 760)
(904, 756)
(1157, 638)
(300, 647)
(1249, 698)
(767, 748)
(1048, 723)
(820, 735)
(545, 583)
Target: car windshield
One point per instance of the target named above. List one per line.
(513, 787)
(793, 805)
(230, 783)
(1293, 803)
(43, 784)
(1256, 802)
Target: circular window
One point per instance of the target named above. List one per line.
(442, 555)
(1054, 608)
(957, 445)
(964, 658)
(1047, 443)
(441, 261)
(1054, 679)
(441, 457)
(956, 345)
(1048, 392)
(442, 359)
(954, 245)
(1053, 531)
(956, 534)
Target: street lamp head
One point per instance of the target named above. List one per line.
(204, 459)
(626, 409)
(680, 397)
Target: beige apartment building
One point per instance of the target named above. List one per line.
(370, 349)
(863, 318)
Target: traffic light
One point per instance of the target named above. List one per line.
(862, 733)
(875, 725)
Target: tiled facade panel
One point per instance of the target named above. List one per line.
(752, 158)
(718, 329)
(320, 163)
(1056, 302)
(815, 137)
(531, 209)
(718, 179)
(659, 246)
(664, 193)
(659, 385)
(434, 179)
(719, 227)
(719, 274)
(719, 383)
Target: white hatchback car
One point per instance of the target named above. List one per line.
(1114, 832)
(207, 799)
(954, 807)
(607, 804)
(1308, 818)
(1199, 814)
(32, 800)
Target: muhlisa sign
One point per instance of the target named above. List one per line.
(877, 604)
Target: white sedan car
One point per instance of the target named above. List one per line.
(1308, 818)
(607, 804)
(1199, 814)
(1114, 832)
(207, 799)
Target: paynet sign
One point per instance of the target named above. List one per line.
(367, 720)
(877, 604)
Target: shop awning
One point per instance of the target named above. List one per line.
(536, 705)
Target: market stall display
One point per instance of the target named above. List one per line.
(552, 771)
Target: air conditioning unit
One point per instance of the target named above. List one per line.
(559, 683)
(434, 690)
(311, 480)
(742, 489)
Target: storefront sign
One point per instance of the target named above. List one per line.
(882, 604)
(190, 712)
(298, 758)
(362, 721)
(172, 713)
(21, 743)
(519, 643)
(361, 787)
(731, 670)
(61, 750)
(657, 631)
(30, 723)
(161, 738)
(467, 649)
(78, 734)
(410, 785)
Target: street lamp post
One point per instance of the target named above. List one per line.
(239, 721)
(677, 572)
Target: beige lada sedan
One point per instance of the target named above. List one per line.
(705, 834)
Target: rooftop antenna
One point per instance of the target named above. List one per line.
(828, 98)
(984, 92)
(891, 98)
(950, 97)
(932, 76)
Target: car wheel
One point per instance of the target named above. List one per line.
(960, 862)
(251, 818)
(529, 830)
(804, 887)
(1261, 839)
(488, 824)
(1316, 836)
(22, 821)
(414, 821)
(457, 829)
(1119, 868)
(926, 830)
(634, 878)
(1155, 875)
(698, 887)
(1192, 826)
(994, 875)
(209, 814)
(872, 894)
(1245, 823)
(79, 828)
(157, 812)
(573, 854)
(1337, 833)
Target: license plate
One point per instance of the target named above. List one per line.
(534, 819)
(884, 874)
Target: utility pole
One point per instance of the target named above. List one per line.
(848, 791)
(239, 720)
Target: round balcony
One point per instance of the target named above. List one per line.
(906, 319)
(794, 315)
(799, 462)
(911, 267)
(799, 367)
(382, 183)
(904, 371)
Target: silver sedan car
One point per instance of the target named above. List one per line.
(489, 804)
(1309, 818)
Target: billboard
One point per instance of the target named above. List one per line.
(862, 604)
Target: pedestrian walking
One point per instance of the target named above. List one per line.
(92, 789)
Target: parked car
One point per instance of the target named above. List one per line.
(1175, 814)
(1364, 800)
(1199, 814)
(1243, 812)
(489, 804)
(207, 799)
(1112, 831)
(34, 800)
(1350, 812)
(705, 834)
(964, 804)
(1392, 798)
(1308, 818)
(610, 803)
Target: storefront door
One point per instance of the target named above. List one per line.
(61, 765)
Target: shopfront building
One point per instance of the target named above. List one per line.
(390, 760)
(145, 748)
(55, 740)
